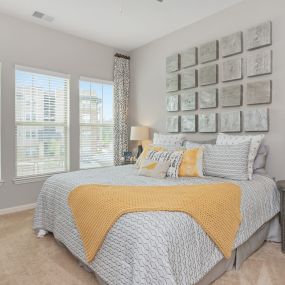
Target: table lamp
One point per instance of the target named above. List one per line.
(139, 133)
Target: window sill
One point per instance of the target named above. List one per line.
(2, 182)
(33, 179)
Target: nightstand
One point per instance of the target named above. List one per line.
(281, 188)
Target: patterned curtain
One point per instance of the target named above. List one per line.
(121, 96)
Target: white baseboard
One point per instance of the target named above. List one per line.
(17, 209)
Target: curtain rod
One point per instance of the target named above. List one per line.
(122, 56)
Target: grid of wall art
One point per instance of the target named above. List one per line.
(216, 87)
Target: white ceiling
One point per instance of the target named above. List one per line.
(125, 24)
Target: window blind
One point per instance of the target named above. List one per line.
(41, 107)
(96, 124)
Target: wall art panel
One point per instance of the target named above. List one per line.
(232, 69)
(231, 96)
(259, 63)
(231, 44)
(231, 121)
(172, 63)
(172, 82)
(259, 36)
(188, 123)
(189, 57)
(172, 124)
(188, 100)
(208, 98)
(259, 92)
(188, 78)
(209, 52)
(208, 123)
(256, 120)
(172, 103)
(208, 75)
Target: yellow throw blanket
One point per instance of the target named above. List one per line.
(215, 207)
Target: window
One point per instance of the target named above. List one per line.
(41, 122)
(96, 124)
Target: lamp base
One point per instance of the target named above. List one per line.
(140, 150)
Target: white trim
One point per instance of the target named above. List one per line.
(94, 80)
(34, 178)
(17, 209)
(42, 71)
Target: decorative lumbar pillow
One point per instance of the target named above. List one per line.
(188, 144)
(174, 157)
(227, 161)
(168, 139)
(192, 163)
(155, 169)
(144, 154)
(255, 142)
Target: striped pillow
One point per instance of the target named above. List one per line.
(174, 157)
(255, 142)
(227, 161)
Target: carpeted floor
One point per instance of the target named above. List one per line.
(26, 260)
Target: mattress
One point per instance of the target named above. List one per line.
(150, 247)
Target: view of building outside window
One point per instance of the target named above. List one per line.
(96, 124)
(41, 123)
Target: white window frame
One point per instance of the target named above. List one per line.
(93, 80)
(41, 177)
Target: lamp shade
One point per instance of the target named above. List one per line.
(139, 133)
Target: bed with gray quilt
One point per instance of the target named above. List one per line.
(150, 247)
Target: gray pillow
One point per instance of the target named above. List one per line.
(191, 144)
(227, 161)
(260, 160)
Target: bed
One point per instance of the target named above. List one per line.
(156, 247)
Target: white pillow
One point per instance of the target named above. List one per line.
(155, 169)
(255, 142)
(168, 139)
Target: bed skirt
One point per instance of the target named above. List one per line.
(270, 231)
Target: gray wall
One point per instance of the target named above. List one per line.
(147, 102)
(28, 44)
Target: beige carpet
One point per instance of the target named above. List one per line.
(26, 260)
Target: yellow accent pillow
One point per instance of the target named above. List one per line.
(146, 149)
(192, 163)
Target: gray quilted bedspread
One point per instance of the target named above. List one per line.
(150, 247)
